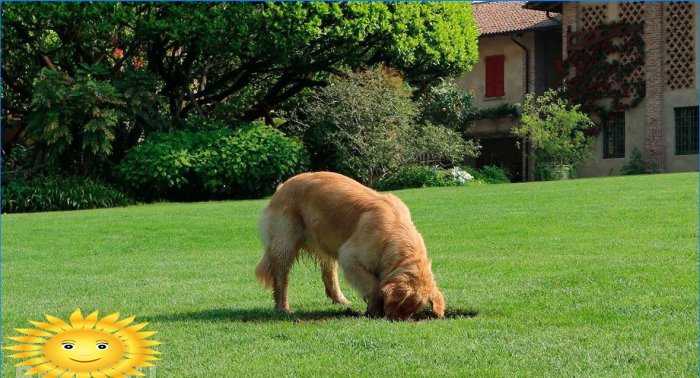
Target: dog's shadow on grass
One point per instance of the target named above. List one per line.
(268, 315)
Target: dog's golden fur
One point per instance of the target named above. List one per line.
(371, 235)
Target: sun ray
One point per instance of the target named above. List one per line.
(47, 326)
(82, 374)
(114, 373)
(144, 351)
(107, 320)
(76, 319)
(41, 368)
(33, 332)
(146, 343)
(26, 354)
(28, 339)
(90, 320)
(99, 374)
(125, 366)
(124, 322)
(142, 360)
(33, 361)
(135, 327)
(24, 347)
(57, 322)
(54, 373)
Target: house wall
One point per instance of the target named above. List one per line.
(650, 127)
(514, 69)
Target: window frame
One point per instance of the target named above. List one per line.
(687, 138)
(615, 129)
(494, 76)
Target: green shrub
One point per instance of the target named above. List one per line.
(50, 193)
(244, 163)
(364, 125)
(551, 172)
(637, 166)
(493, 175)
(416, 176)
(489, 174)
(556, 129)
(445, 104)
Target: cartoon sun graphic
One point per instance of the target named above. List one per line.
(87, 347)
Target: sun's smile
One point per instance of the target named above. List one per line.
(86, 361)
(100, 347)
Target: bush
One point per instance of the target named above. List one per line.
(447, 105)
(364, 125)
(416, 176)
(423, 176)
(637, 166)
(489, 174)
(551, 172)
(436, 145)
(244, 163)
(51, 193)
(556, 129)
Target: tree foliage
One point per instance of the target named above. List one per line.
(364, 124)
(254, 54)
(556, 129)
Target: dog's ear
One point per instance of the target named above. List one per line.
(437, 302)
(396, 296)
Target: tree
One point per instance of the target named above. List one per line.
(555, 129)
(250, 56)
(364, 125)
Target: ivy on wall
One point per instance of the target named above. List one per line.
(600, 67)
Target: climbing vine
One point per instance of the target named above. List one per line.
(599, 71)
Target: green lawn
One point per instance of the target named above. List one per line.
(588, 277)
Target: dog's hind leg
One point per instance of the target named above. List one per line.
(329, 273)
(281, 239)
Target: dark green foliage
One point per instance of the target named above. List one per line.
(489, 174)
(445, 104)
(51, 193)
(637, 166)
(416, 176)
(78, 121)
(247, 162)
(500, 111)
(364, 125)
(548, 171)
(254, 56)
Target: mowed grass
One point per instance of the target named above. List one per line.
(588, 277)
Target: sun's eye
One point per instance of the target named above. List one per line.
(68, 346)
(102, 346)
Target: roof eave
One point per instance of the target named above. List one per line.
(527, 30)
(545, 6)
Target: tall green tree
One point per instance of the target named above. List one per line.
(243, 58)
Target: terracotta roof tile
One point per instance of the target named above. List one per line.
(509, 16)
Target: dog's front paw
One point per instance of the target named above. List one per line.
(375, 309)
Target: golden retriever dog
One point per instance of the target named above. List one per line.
(338, 220)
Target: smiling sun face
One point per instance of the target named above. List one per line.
(84, 349)
(101, 348)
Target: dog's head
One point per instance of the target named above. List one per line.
(409, 290)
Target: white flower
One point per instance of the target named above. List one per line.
(460, 175)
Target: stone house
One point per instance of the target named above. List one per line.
(662, 124)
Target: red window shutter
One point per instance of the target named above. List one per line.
(494, 76)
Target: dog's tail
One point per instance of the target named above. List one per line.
(264, 272)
